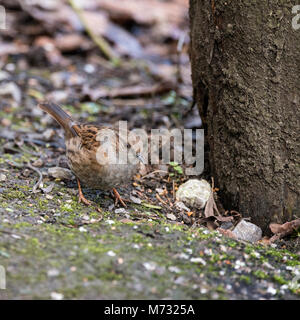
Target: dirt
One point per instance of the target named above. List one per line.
(56, 248)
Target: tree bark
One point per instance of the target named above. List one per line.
(245, 59)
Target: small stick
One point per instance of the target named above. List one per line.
(156, 171)
(99, 41)
(37, 185)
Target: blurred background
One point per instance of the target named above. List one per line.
(103, 60)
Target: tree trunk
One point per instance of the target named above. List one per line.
(246, 75)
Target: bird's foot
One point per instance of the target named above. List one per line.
(81, 197)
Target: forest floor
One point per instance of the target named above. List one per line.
(53, 247)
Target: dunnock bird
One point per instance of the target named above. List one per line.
(90, 162)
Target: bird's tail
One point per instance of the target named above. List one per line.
(60, 116)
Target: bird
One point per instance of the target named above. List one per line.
(88, 153)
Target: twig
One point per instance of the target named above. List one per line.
(98, 40)
(156, 171)
(37, 185)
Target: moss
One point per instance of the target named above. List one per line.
(11, 194)
(260, 274)
(245, 279)
(279, 279)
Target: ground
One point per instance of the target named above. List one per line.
(56, 248)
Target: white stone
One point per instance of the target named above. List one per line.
(82, 229)
(180, 205)
(194, 193)
(171, 216)
(56, 296)
(198, 260)
(53, 273)
(150, 266)
(111, 253)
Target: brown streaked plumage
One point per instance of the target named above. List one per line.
(88, 161)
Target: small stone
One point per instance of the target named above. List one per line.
(174, 269)
(61, 173)
(2, 177)
(135, 199)
(4, 75)
(198, 260)
(150, 266)
(171, 216)
(15, 236)
(38, 163)
(203, 290)
(111, 253)
(53, 273)
(89, 68)
(58, 96)
(48, 134)
(247, 231)
(194, 193)
(56, 296)
(271, 290)
(5, 122)
(82, 229)
(120, 210)
(12, 90)
(180, 205)
(183, 256)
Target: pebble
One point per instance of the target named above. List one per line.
(2, 177)
(53, 273)
(171, 216)
(135, 199)
(89, 68)
(111, 253)
(198, 260)
(183, 256)
(180, 205)
(120, 210)
(82, 229)
(194, 193)
(56, 296)
(12, 90)
(48, 134)
(174, 269)
(38, 163)
(150, 266)
(61, 173)
(247, 231)
(271, 290)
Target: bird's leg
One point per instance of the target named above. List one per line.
(81, 197)
(118, 198)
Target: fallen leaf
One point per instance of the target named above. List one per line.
(282, 230)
